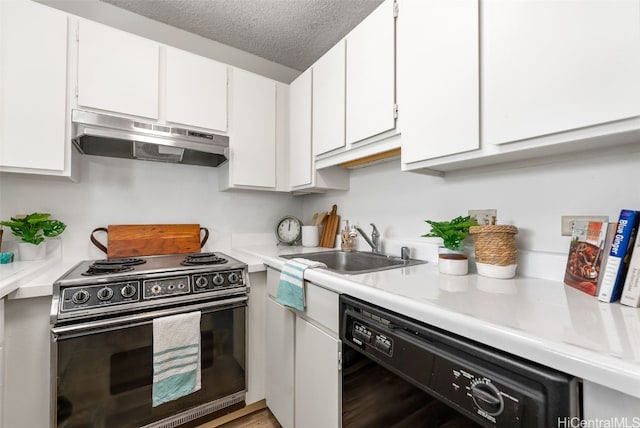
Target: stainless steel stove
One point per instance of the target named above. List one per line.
(111, 286)
(102, 318)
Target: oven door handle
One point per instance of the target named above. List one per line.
(92, 327)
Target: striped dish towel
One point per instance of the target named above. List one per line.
(291, 285)
(176, 356)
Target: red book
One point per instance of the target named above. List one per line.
(586, 253)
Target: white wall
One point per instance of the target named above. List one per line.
(531, 197)
(121, 191)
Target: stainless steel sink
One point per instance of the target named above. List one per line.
(355, 262)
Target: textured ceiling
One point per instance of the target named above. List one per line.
(293, 33)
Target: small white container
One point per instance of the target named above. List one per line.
(310, 236)
(28, 251)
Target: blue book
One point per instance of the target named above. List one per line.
(615, 270)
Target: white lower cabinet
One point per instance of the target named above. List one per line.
(255, 371)
(27, 388)
(280, 324)
(303, 367)
(1, 363)
(317, 377)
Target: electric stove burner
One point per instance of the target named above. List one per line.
(105, 266)
(102, 270)
(121, 261)
(203, 259)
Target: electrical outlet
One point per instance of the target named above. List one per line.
(484, 217)
(567, 221)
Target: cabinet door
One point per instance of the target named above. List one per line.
(196, 90)
(33, 86)
(253, 134)
(117, 71)
(280, 323)
(438, 80)
(552, 66)
(371, 75)
(282, 137)
(317, 378)
(300, 163)
(328, 100)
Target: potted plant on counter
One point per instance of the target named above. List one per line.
(33, 229)
(451, 257)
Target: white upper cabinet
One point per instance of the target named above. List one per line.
(252, 137)
(300, 162)
(196, 90)
(303, 176)
(33, 89)
(329, 100)
(438, 78)
(553, 66)
(371, 75)
(117, 71)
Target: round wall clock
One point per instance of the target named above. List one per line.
(289, 230)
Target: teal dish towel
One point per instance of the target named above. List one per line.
(291, 286)
(176, 357)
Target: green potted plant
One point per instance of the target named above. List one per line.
(451, 258)
(33, 229)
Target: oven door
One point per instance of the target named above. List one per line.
(103, 369)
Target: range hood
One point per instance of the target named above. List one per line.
(105, 135)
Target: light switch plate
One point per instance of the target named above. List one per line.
(567, 221)
(484, 217)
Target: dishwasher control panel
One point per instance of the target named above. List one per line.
(478, 394)
(364, 335)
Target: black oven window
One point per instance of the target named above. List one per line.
(104, 379)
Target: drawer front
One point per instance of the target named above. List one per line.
(321, 304)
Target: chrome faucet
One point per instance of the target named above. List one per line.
(374, 242)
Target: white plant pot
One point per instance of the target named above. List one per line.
(452, 262)
(28, 251)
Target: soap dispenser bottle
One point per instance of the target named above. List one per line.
(348, 239)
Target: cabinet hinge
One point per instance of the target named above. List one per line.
(395, 111)
(339, 360)
(395, 9)
(77, 91)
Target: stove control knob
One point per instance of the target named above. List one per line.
(105, 293)
(218, 279)
(80, 296)
(487, 397)
(233, 277)
(202, 281)
(128, 291)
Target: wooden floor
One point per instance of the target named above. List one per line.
(259, 419)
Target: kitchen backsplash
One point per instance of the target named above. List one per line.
(532, 197)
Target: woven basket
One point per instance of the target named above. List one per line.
(495, 245)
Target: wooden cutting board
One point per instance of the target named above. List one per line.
(332, 221)
(134, 240)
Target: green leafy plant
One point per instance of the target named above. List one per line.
(35, 227)
(452, 232)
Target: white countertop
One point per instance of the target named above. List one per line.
(23, 279)
(539, 320)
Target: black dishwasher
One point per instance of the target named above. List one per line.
(399, 372)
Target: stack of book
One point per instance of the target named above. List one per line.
(602, 261)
